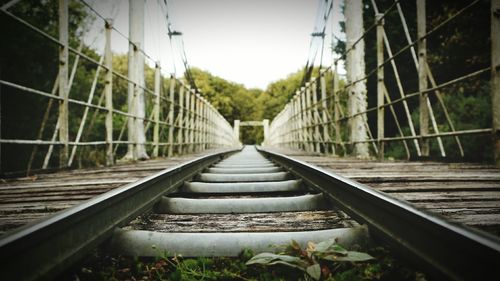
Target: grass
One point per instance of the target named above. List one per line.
(100, 266)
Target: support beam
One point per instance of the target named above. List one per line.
(192, 121)
(108, 92)
(180, 132)
(236, 129)
(422, 76)
(495, 77)
(265, 123)
(380, 85)
(63, 82)
(355, 67)
(336, 106)
(136, 104)
(156, 110)
(171, 120)
(324, 117)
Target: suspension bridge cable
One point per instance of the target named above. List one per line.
(182, 49)
(141, 50)
(325, 7)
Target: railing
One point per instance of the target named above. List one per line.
(319, 119)
(176, 122)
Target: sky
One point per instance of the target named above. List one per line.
(249, 42)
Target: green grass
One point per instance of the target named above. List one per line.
(99, 266)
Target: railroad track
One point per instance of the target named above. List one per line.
(218, 204)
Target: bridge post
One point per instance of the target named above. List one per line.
(303, 117)
(422, 77)
(355, 66)
(63, 82)
(380, 85)
(316, 121)
(336, 106)
(192, 119)
(265, 124)
(198, 123)
(324, 115)
(135, 98)
(495, 77)
(310, 122)
(180, 132)
(171, 117)
(108, 92)
(156, 110)
(236, 129)
(187, 119)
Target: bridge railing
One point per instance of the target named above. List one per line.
(176, 120)
(319, 119)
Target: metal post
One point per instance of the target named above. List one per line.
(355, 67)
(308, 112)
(108, 92)
(380, 85)
(136, 104)
(316, 120)
(156, 110)
(171, 120)
(236, 129)
(198, 123)
(336, 106)
(63, 82)
(187, 121)
(324, 113)
(422, 76)
(495, 77)
(265, 125)
(192, 122)
(180, 132)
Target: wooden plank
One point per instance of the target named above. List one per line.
(257, 222)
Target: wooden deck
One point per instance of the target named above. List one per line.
(463, 193)
(24, 200)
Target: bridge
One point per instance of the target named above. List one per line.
(382, 154)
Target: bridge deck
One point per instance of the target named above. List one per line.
(23, 200)
(462, 193)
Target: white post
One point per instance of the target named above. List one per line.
(422, 76)
(156, 110)
(265, 124)
(136, 105)
(380, 85)
(355, 66)
(236, 129)
(171, 121)
(63, 82)
(324, 115)
(180, 132)
(108, 92)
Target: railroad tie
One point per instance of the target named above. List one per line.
(244, 185)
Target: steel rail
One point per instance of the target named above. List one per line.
(443, 250)
(41, 250)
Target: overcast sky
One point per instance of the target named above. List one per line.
(252, 42)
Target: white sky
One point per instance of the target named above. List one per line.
(252, 42)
